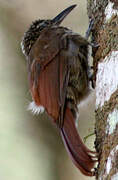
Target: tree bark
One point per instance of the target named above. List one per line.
(105, 58)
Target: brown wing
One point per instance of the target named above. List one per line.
(48, 88)
(47, 46)
(49, 73)
(64, 78)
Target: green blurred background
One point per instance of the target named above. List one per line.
(30, 147)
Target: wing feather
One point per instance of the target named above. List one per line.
(50, 81)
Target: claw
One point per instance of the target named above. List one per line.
(92, 81)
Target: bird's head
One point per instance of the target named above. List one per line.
(37, 26)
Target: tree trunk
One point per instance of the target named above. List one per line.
(105, 33)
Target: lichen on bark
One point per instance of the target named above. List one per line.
(105, 34)
(105, 141)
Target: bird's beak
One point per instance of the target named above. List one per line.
(60, 17)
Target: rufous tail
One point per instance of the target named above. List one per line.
(82, 157)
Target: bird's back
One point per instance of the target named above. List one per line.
(58, 67)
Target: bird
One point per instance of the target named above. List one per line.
(58, 76)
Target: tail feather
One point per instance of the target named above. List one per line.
(79, 153)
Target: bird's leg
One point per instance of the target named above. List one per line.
(88, 32)
(91, 79)
(94, 45)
